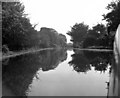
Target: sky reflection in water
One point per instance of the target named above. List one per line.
(57, 73)
(64, 80)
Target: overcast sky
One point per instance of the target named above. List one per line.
(62, 14)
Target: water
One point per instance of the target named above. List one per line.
(57, 73)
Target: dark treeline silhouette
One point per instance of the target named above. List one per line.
(78, 33)
(18, 33)
(18, 72)
(84, 37)
(113, 19)
(50, 38)
(100, 35)
(82, 61)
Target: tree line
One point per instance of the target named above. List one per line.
(100, 35)
(18, 33)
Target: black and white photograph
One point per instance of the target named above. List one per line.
(59, 48)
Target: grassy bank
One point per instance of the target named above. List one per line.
(96, 50)
(18, 53)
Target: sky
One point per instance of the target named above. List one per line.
(61, 15)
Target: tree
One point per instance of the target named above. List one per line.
(18, 32)
(11, 27)
(78, 33)
(89, 41)
(97, 31)
(113, 17)
(50, 38)
(97, 36)
(62, 40)
(113, 20)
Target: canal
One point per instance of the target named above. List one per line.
(58, 73)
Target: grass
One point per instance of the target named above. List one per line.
(32, 50)
(22, 52)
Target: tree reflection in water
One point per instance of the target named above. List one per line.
(19, 72)
(82, 61)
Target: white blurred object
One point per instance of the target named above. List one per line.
(117, 45)
(114, 85)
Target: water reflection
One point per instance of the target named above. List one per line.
(18, 73)
(82, 61)
(45, 73)
(64, 81)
